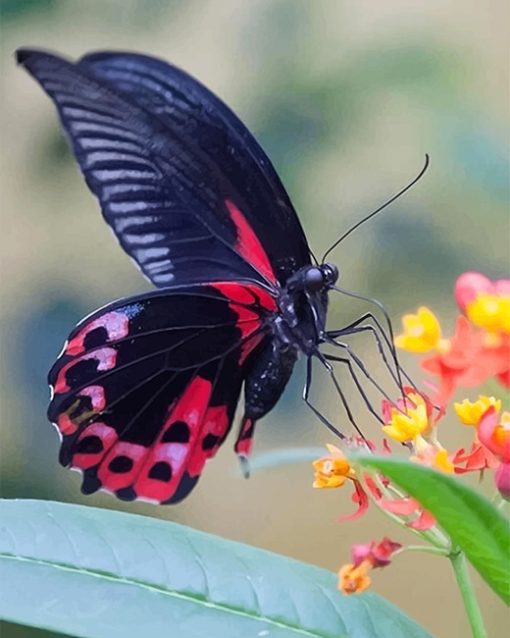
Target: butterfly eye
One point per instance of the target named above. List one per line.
(330, 273)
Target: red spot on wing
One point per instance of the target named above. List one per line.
(248, 244)
(215, 424)
(101, 437)
(191, 409)
(132, 454)
(115, 323)
(105, 357)
(245, 439)
(65, 424)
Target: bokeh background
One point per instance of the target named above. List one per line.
(346, 96)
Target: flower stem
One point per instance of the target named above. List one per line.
(439, 551)
(458, 561)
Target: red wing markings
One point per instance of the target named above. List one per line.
(115, 323)
(241, 299)
(193, 430)
(106, 359)
(191, 434)
(248, 244)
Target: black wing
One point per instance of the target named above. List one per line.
(181, 181)
(143, 396)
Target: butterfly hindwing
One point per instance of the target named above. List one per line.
(146, 389)
(181, 181)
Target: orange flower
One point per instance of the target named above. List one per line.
(333, 469)
(354, 580)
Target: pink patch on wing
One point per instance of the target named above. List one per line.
(115, 323)
(96, 395)
(248, 244)
(107, 436)
(216, 422)
(191, 408)
(105, 357)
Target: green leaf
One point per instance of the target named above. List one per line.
(97, 573)
(469, 519)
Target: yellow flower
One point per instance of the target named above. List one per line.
(407, 426)
(442, 463)
(429, 455)
(491, 312)
(332, 470)
(422, 332)
(470, 412)
(354, 580)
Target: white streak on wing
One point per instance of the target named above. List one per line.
(110, 190)
(146, 254)
(158, 266)
(112, 175)
(120, 224)
(98, 143)
(164, 279)
(92, 127)
(133, 207)
(96, 157)
(149, 238)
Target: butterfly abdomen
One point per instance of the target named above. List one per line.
(267, 378)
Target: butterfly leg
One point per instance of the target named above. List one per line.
(346, 361)
(306, 399)
(331, 372)
(380, 336)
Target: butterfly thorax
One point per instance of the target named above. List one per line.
(303, 305)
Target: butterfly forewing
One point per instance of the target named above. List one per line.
(183, 184)
(144, 395)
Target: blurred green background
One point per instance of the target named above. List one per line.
(346, 97)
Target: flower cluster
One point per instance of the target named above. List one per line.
(353, 578)
(480, 346)
(479, 350)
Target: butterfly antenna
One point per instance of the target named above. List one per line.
(381, 208)
(312, 255)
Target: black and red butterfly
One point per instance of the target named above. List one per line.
(146, 388)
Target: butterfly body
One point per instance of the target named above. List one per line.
(145, 390)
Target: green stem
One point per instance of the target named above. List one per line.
(439, 551)
(459, 564)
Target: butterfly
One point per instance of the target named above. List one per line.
(145, 389)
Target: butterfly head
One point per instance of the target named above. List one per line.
(317, 278)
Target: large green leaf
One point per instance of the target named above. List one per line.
(97, 573)
(471, 521)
